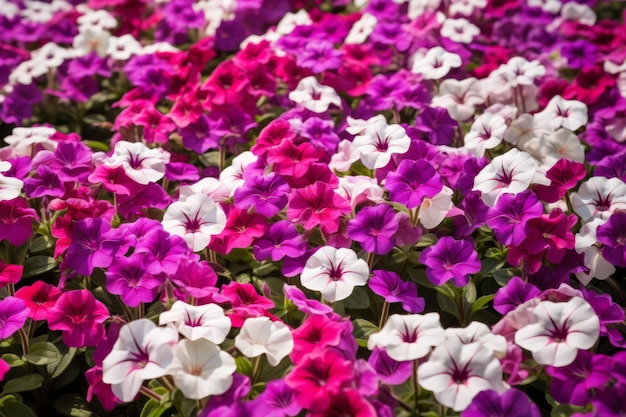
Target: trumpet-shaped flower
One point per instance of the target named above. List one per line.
(142, 164)
(436, 64)
(13, 315)
(196, 219)
(408, 337)
(518, 71)
(456, 372)
(334, 272)
(374, 227)
(134, 279)
(314, 96)
(559, 330)
(412, 182)
(511, 403)
(486, 133)
(317, 204)
(450, 259)
(16, 220)
(379, 142)
(198, 322)
(388, 285)
(510, 173)
(94, 244)
(142, 351)
(570, 114)
(599, 197)
(260, 335)
(201, 368)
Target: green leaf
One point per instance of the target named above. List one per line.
(362, 330)
(41, 244)
(43, 353)
(429, 239)
(11, 407)
(36, 265)
(13, 360)
(56, 368)
(244, 366)
(448, 305)
(358, 299)
(154, 408)
(185, 406)
(73, 405)
(96, 145)
(24, 383)
(481, 303)
(489, 265)
(503, 276)
(469, 292)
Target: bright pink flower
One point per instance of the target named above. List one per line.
(112, 179)
(4, 368)
(272, 136)
(318, 376)
(39, 298)
(13, 315)
(99, 389)
(245, 302)
(241, 229)
(156, 126)
(196, 279)
(292, 160)
(317, 204)
(10, 274)
(186, 110)
(16, 220)
(79, 316)
(317, 332)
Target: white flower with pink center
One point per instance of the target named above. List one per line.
(198, 322)
(486, 133)
(477, 332)
(313, 96)
(196, 219)
(519, 71)
(436, 64)
(510, 173)
(459, 30)
(379, 142)
(142, 351)
(260, 335)
(559, 331)
(334, 272)
(408, 337)
(201, 368)
(456, 372)
(599, 197)
(460, 97)
(570, 114)
(142, 164)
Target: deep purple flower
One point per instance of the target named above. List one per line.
(16, 220)
(304, 304)
(166, 250)
(509, 216)
(610, 313)
(88, 66)
(374, 228)
(198, 137)
(388, 285)
(613, 166)
(573, 384)
(412, 182)
(579, 53)
(47, 183)
(79, 89)
(72, 161)
(319, 56)
(511, 403)
(266, 193)
(390, 371)
(612, 235)
(381, 91)
(474, 215)
(437, 125)
(320, 133)
(516, 292)
(94, 244)
(278, 400)
(134, 279)
(450, 259)
(282, 239)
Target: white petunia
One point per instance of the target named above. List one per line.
(436, 63)
(460, 98)
(570, 114)
(123, 48)
(361, 29)
(260, 335)
(201, 368)
(198, 322)
(587, 243)
(408, 337)
(379, 142)
(459, 30)
(142, 164)
(551, 147)
(334, 272)
(559, 331)
(599, 197)
(313, 96)
(486, 133)
(232, 175)
(434, 210)
(196, 220)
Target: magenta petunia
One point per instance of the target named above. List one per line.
(80, 317)
(509, 216)
(10, 274)
(317, 204)
(612, 235)
(134, 279)
(412, 182)
(388, 285)
(511, 403)
(94, 244)
(281, 239)
(16, 220)
(450, 259)
(374, 228)
(267, 194)
(13, 315)
(39, 298)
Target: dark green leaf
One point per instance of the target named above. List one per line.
(36, 265)
(43, 353)
(73, 405)
(429, 239)
(358, 299)
(24, 383)
(469, 292)
(244, 366)
(480, 303)
(503, 276)
(489, 265)
(41, 244)
(13, 360)
(448, 305)
(363, 329)
(11, 407)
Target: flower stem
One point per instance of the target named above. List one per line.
(24, 340)
(150, 394)
(166, 383)
(416, 388)
(256, 369)
(384, 314)
(370, 260)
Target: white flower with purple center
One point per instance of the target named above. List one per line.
(559, 330)
(142, 164)
(379, 142)
(334, 272)
(313, 96)
(436, 63)
(198, 322)
(599, 197)
(570, 114)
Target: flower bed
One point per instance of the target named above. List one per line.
(312, 208)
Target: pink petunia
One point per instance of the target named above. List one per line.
(13, 315)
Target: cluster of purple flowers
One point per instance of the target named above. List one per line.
(307, 207)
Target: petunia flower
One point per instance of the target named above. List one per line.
(408, 337)
(304, 304)
(317, 204)
(519, 71)
(260, 335)
(313, 96)
(412, 182)
(94, 244)
(374, 228)
(612, 235)
(460, 97)
(599, 197)
(196, 219)
(510, 214)
(10, 274)
(267, 194)
(486, 133)
(456, 372)
(140, 163)
(80, 317)
(510, 403)
(436, 63)
(135, 279)
(388, 285)
(450, 259)
(334, 272)
(559, 330)
(433, 210)
(510, 173)
(16, 220)
(277, 400)
(39, 298)
(198, 322)
(200, 368)
(570, 114)
(13, 315)
(379, 142)
(142, 351)
(280, 240)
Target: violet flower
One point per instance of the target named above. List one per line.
(374, 228)
(282, 239)
(450, 259)
(412, 182)
(388, 285)
(94, 244)
(511, 403)
(13, 315)
(515, 293)
(266, 193)
(612, 235)
(509, 216)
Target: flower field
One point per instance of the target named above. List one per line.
(312, 208)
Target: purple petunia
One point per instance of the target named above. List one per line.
(450, 259)
(266, 193)
(388, 285)
(509, 216)
(412, 182)
(374, 228)
(94, 244)
(511, 403)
